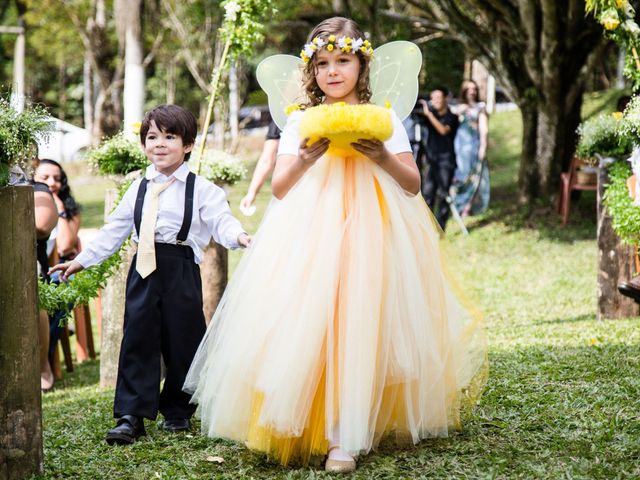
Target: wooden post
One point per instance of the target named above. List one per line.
(615, 261)
(113, 310)
(20, 398)
(214, 270)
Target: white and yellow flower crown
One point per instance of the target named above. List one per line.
(344, 43)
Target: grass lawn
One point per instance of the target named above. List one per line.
(563, 397)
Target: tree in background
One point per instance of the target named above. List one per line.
(541, 51)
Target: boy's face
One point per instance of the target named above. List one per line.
(165, 150)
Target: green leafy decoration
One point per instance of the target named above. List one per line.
(243, 24)
(81, 288)
(625, 215)
(222, 168)
(618, 19)
(117, 156)
(603, 134)
(18, 134)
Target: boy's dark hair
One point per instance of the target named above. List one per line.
(171, 119)
(441, 88)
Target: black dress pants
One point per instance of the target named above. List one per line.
(163, 316)
(438, 178)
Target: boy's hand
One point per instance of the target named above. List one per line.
(66, 269)
(244, 240)
(373, 149)
(308, 154)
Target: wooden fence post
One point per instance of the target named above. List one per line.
(214, 271)
(615, 261)
(113, 309)
(20, 398)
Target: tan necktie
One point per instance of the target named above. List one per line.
(146, 262)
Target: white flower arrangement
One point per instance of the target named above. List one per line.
(221, 167)
(231, 10)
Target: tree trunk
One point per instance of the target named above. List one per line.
(113, 310)
(214, 270)
(615, 263)
(17, 94)
(20, 398)
(130, 14)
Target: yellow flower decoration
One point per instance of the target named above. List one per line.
(610, 23)
(617, 115)
(387, 104)
(292, 108)
(344, 43)
(135, 127)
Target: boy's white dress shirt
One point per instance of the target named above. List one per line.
(211, 218)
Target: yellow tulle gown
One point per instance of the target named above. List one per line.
(340, 322)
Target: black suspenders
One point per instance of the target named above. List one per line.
(188, 207)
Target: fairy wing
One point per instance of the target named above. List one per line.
(394, 76)
(281, 77)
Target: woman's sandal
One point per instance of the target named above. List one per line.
(339, 466)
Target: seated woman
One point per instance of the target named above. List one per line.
(64, 240)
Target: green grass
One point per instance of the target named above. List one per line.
(562, 400)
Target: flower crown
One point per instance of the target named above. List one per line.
(344, 43)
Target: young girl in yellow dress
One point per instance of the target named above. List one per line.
(340, 325)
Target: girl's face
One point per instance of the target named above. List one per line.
(472, 92)
(337, 75)
(50, 175)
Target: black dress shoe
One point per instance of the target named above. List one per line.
(128, 428)
(631, 288)
(177, 425)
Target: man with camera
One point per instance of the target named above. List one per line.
(441, 158)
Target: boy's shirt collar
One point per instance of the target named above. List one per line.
(180, 174)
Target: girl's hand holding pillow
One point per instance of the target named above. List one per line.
(309, 154)
(372, 149)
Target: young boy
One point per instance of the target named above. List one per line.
(163, 306)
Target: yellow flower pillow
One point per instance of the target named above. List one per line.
(343, 124)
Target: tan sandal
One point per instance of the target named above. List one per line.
(339, 466)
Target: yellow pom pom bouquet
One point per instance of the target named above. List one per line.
(345, 124)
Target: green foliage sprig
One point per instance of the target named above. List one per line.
(630, 124)
(117, 156)
(18, 133)
(618, 19)
(81, 288)
(602, 134)
(243, 24)
(624, 214)
(222, 168)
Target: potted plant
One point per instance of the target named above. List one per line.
(18, 134)
(601, 140)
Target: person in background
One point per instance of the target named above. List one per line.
(264, 168)
(441, 158)
(46, 219)
(471, 178)
(63, 243)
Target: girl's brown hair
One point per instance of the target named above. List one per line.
(337, 26)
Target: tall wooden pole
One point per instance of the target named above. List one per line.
(20, 398)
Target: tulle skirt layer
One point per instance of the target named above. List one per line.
(339, 323)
